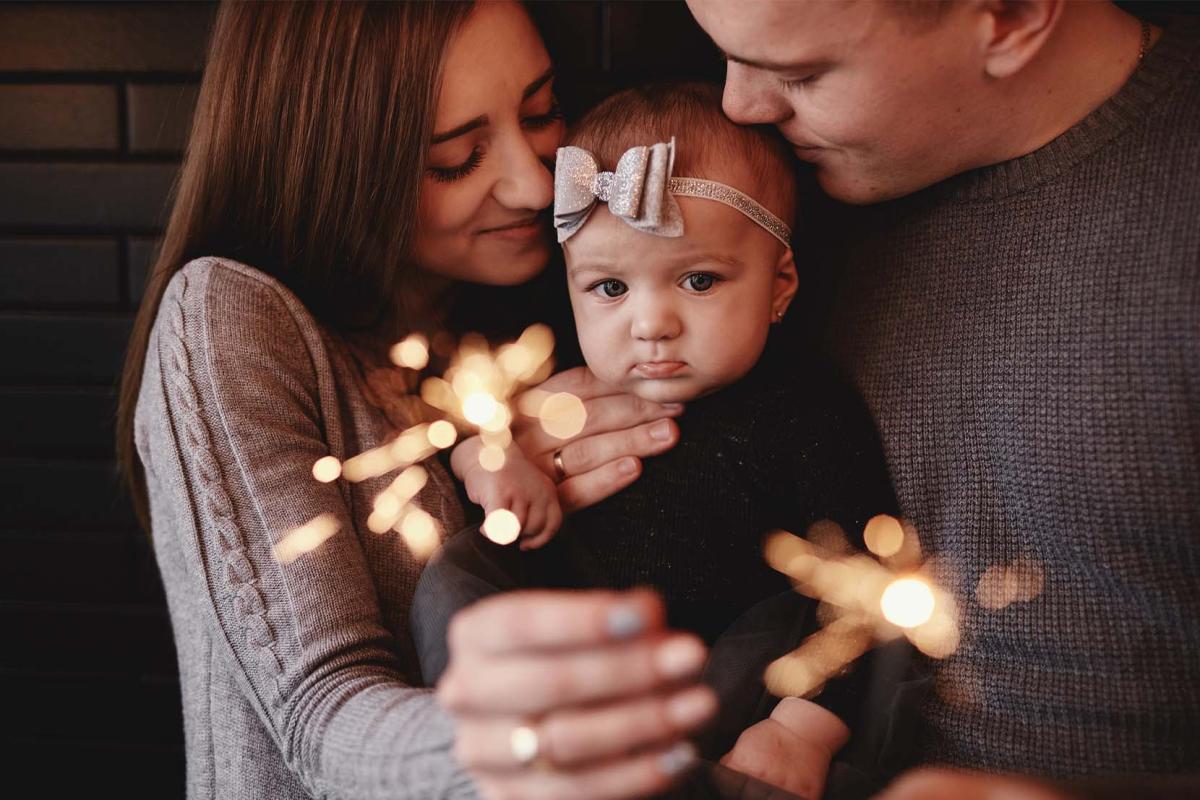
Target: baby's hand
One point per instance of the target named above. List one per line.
(792, 749)
(518, 486)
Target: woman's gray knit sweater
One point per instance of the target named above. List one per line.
(297, 678)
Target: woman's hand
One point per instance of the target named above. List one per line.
(609, 694)
(605, 456)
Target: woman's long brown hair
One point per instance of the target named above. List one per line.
(305, 159)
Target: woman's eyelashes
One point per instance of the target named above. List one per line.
(448, 174)
(539, 121)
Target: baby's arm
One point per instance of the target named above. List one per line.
(518, 486)
(791, 749)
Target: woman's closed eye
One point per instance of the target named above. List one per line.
(448, 174)
(608, 289)
(700, 282)
(539, 121)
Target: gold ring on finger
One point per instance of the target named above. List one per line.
(560, 471)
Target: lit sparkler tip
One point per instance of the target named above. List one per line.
(327, 469)
(412, 352)
(479, 407)
(907, 602)
(305, 538)
(501, 526)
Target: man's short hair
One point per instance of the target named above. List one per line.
(753, 159)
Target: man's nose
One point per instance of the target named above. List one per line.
(751, 96)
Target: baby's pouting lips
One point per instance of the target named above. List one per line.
(659, 369)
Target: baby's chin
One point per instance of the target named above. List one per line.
(667, 390)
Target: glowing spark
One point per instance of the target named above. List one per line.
(479, 407)
(884, 535)
(419, 531)
(1001, 586)
(492, 458)
(305, 538)
(907, 602)
(412, 352)
(562, 415)
(502, 526)
(327, 469)
(501, 438)
(441, 434)
(409, 482)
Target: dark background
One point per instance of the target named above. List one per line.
(95, 103)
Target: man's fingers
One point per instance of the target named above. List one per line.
(643, 775)
(550, 621)
(576, 737)
(604, 414)
(587, 453)
(535, 684)
(581, 491)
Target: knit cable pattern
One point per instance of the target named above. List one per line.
(241, 582)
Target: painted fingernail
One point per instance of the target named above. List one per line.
(690, 708)
(627, 466)
(679, 657)
(678, 758)
(661, 431)
(625, 621)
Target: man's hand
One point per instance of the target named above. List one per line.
(943, 784)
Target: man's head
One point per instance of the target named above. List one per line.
(884, 97)
(674, 318)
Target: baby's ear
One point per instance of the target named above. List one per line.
(786, 284)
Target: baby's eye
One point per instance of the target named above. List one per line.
(610, 288)
(700, 281)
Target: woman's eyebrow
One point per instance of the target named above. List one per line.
(466, 127)
(538, 83)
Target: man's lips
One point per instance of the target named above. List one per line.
(658, 369)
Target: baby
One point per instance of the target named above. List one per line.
(679, 270)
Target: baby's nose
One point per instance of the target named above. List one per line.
(654, 322)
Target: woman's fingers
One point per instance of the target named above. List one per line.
(520, 684)
(573, 738)
(515, 622)
(581, 491)
(587, 453)
(643, 775)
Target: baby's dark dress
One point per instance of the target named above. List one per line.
(787, 446)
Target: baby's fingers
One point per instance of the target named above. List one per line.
(553, 521)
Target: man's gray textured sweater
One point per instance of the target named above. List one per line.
(1027, 337)
(297, 678)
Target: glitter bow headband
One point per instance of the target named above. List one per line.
(641, 191)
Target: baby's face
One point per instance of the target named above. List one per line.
(673, 319)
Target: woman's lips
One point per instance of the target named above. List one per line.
(658, 369)
(516, 231)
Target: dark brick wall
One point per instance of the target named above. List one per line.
(95, 103)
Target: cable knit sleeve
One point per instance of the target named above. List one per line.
(242, 421)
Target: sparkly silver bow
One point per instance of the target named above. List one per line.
(641, 191)
(636, 191)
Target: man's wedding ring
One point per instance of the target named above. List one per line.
(526, 747)
(560, 472)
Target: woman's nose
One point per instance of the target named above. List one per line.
(526, 182)
(749, 99)
(654, 321)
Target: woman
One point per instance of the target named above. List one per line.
(348, 164)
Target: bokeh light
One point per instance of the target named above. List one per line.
(502, 526)
(907, 602)
(327, 469)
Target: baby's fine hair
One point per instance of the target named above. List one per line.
(753, 159)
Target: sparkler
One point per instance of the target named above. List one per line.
(863, 600)
(480, 393)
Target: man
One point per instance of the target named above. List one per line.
(1015, 288)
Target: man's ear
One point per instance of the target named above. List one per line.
(786, 284)
(1014, 31)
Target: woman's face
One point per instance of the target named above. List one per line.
(488, 178)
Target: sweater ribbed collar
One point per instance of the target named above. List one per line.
(1151, 84)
